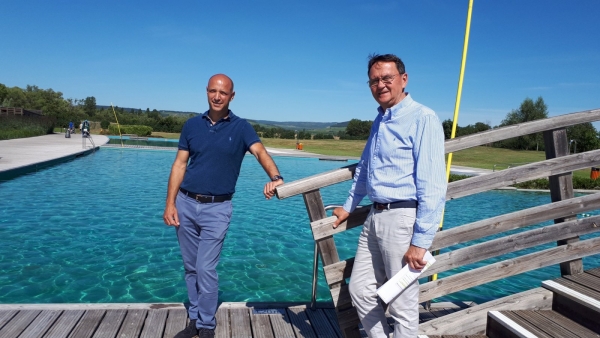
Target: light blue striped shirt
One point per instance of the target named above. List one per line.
(404, 160)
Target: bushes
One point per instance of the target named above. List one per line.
(130, 129)
(12, 126)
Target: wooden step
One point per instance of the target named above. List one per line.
(526, 324)
(577, 298)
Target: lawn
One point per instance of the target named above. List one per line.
(477, 157)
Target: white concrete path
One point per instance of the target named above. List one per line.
(24, 152)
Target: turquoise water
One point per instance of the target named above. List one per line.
(152, 141)
(91, 230)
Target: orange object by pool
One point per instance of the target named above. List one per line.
(595, 173)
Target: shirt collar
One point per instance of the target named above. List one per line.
(227, 118)
(402, 104)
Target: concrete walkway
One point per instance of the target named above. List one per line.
(19, 156)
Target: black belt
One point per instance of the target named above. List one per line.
(206, 198)
(394, 205)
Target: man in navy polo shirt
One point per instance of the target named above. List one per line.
(199, 196)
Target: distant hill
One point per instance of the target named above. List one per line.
(299, 125)
(285, 125)
(162, 112)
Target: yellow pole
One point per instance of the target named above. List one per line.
(118, 126)
(457, 105)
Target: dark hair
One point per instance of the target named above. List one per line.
(374, 58)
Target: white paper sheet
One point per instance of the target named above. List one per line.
(393, 287)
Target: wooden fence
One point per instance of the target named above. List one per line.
(563, 209)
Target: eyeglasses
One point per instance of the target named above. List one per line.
(388, 79)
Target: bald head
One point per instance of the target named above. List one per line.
(224, 79)
(219, 92)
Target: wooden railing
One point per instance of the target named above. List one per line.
(563, 210)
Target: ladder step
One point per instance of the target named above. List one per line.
(575, 301)
(505, 324)
(542, 323)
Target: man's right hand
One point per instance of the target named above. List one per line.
(170, 216)
(341, 215)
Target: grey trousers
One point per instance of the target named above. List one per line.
(201, 233)
(384, 240)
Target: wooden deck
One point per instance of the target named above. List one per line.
(235, 320)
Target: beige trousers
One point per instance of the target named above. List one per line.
(384, 240)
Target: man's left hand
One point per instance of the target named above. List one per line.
(414, 257)
(270, 188)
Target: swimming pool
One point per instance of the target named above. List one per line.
(91, 230)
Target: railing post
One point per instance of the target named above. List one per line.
(561, 187)
(347, 317)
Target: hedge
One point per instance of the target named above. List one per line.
(130, 129)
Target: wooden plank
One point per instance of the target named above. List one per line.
(223, 329)
(516, 242)
(316, 211)
(348, 322)
(514, 220)
(521, 129)
(320, 324)
(522, 173)
(261, 325)
(341, 296)
(525, 325)
(154, 325)
(559, 319)
(87, 325)
(507, 268)
(19, 323)
(240, 323)
(177, 320)
(561, 188)
(544, 324)
(315, 182)
(40, 324)
(579, 293)
(594, 272)
(330, 313)
(588, 281)
(300, 323)
(110, 324)
(6, 316)
(282, 326)
(504, 325)
(65, 323)
(133, 323)
(324, 227)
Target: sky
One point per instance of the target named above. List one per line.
(305, 60)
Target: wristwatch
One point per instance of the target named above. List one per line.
(276, 178)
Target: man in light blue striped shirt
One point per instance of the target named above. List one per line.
(402, 171)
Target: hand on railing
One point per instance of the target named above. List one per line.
(341, 215)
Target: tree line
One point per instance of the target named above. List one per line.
(583, 137)
(64, 110)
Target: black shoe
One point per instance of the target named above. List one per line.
(206, 333)
(189, 332)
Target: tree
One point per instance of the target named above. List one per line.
(359, 129)
(584, 136)
(528, 111)
(89, 106)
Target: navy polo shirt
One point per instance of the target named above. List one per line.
(216, 153)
